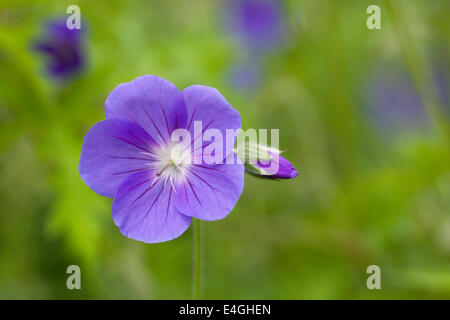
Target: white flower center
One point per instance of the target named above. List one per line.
(172, 162)
(180, 155)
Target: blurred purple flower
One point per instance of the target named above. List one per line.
(63, 49)
(257, 24)
(130, 156)
(259, 27)
(395, 101)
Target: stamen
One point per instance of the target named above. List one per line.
(154, 180)
(160, 172)
(173, 187)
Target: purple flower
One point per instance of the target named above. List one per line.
(395, 102)
(63, 48)
(258, 24)
(132, 157)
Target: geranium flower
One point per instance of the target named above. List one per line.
(63, 48)
(156, 183)
(259, 27)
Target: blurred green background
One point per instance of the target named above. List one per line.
(364, 115)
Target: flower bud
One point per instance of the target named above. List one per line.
(264, 161)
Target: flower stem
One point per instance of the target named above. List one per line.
(198, 261)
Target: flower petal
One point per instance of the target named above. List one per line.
(146, 211)
(207, 105)
(211, 192)
(154, 103)
(111, 150)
